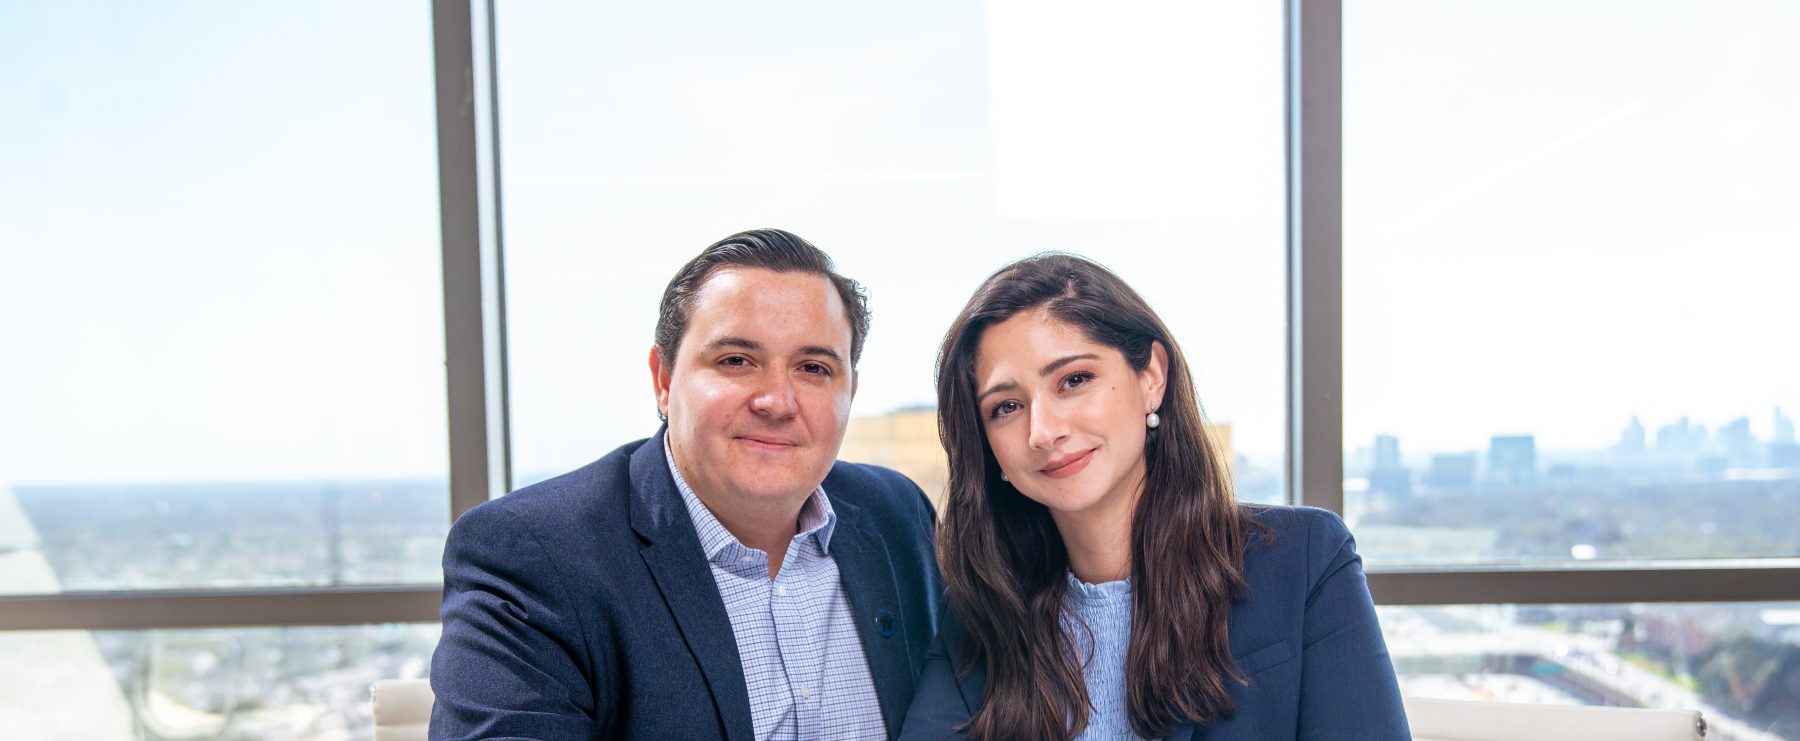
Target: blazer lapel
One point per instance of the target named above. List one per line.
(672, 552)
(867, 573)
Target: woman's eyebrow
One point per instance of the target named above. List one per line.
(1055, 364)
(995, 389)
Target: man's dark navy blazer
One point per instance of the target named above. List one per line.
(583, 607)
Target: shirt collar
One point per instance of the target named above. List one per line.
(816, 517)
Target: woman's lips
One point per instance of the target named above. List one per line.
(1068, 466)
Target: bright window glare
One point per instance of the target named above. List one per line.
(923, 146)
(220, 298)
(218, 243)
(1568, 274)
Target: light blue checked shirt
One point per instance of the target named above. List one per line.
(803, 662)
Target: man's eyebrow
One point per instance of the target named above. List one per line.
(1054, 364)
(750, 345)
(822, 351)
(742, 343)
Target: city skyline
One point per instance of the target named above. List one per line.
(1679, 441)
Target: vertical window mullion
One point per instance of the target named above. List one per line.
(474, 326)
(1315, 246)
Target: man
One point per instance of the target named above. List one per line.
(725, 578)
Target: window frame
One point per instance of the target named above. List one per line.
(470, 216)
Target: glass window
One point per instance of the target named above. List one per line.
(222, 684)
(923, 146)
(1568, 267)
(1739, 664)
(219, 296)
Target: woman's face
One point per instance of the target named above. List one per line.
(1065, 415)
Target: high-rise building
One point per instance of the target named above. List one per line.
(1680, 443)
(1739, 446)
(1512, 460)
(1389, 475)
(1784, 455)
(1387, 451)
(1630, 450)
(905, 440)
(1451, 472)
(1784, 428)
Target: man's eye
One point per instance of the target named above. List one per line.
(735, 361)
(816, 369)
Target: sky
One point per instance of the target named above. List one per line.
(218, 221)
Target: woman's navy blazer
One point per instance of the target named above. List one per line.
(582, 607)
(1304, 635)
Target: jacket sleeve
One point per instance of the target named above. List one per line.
(937, 711)
(1348, 689)
(509, 664)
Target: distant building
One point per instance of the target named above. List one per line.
(1221, 438)
(1738, 445)
(1679, 443)
(1784, 429)
(1784, 455)
(1388, 475)
(1630, 450)
(1387, 451)
(1512, 460)
(905, 440)
(1565, 475)
(1451, 472)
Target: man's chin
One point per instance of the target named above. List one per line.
(773, 491)
(777, 488)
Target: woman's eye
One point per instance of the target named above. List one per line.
(1002, 409)
(1077, 379)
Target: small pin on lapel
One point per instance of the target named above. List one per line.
(884, 624)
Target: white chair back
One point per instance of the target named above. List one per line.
(1463, 720)
(402, 709)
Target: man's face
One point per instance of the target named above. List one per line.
(760, 387)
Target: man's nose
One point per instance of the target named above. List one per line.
(775, 396)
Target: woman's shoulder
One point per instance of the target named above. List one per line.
(1281, 520)
(1299, 534)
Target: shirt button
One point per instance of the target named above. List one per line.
(781, 591)
(744, 557)
(805, 693)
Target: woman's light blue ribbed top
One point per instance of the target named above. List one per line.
(1105, 610)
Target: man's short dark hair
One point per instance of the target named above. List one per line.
(769, 249)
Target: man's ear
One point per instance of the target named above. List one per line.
(1155, 376)
(659, 380)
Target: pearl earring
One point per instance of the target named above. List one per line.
(1004, 478)
(1151, 420)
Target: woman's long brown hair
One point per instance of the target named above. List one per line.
(1004, 562)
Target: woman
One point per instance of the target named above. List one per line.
(1103, 582)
